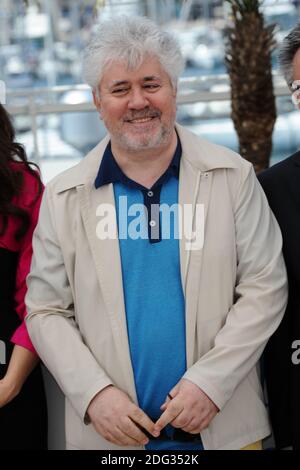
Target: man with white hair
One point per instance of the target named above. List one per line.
(158, 275)
(282, 187)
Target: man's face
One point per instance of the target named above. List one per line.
(296, 82)
(137, 106)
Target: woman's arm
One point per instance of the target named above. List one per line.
(21, 363)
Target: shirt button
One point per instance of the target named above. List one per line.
(150, 193)
(152, 223)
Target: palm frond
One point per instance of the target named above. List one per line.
(248, 59)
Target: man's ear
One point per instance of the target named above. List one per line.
(175, 91)
(96, 100)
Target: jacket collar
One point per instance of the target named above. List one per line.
(201, 154)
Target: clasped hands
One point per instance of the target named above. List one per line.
(120, 421)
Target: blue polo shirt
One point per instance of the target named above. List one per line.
(154, 300)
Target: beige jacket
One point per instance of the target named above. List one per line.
(235, 292)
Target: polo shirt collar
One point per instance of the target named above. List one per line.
(110, 172)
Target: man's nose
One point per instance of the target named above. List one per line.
(137, 99)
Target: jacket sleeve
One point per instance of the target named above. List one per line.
(260, 297)
(50, 319)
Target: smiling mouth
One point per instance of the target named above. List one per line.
(141, 120)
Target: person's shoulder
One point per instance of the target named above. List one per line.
(82, 173)
(68, 178)
(32, 186)
(278, 172)
(207, 155)
(28, 170)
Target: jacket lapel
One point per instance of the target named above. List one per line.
(199, 159)
(194, 189)
(106, 256)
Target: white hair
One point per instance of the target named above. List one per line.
(130, 39)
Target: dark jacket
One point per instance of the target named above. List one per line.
(281, 184)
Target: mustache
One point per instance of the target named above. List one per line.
(151, 113)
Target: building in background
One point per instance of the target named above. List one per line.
(40, 46)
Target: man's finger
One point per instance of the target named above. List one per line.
(128, 439)
(175, 390)
(138, 416)
(167, 401)
(136, 432)
(122, 438)
(111, 438)
(182, 421)
(192, 426)
(173, 410)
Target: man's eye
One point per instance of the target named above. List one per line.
(295, 86)
(151, 86)
(120, 91)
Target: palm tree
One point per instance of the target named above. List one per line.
(248, 59)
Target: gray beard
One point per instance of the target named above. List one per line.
(135, 144)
